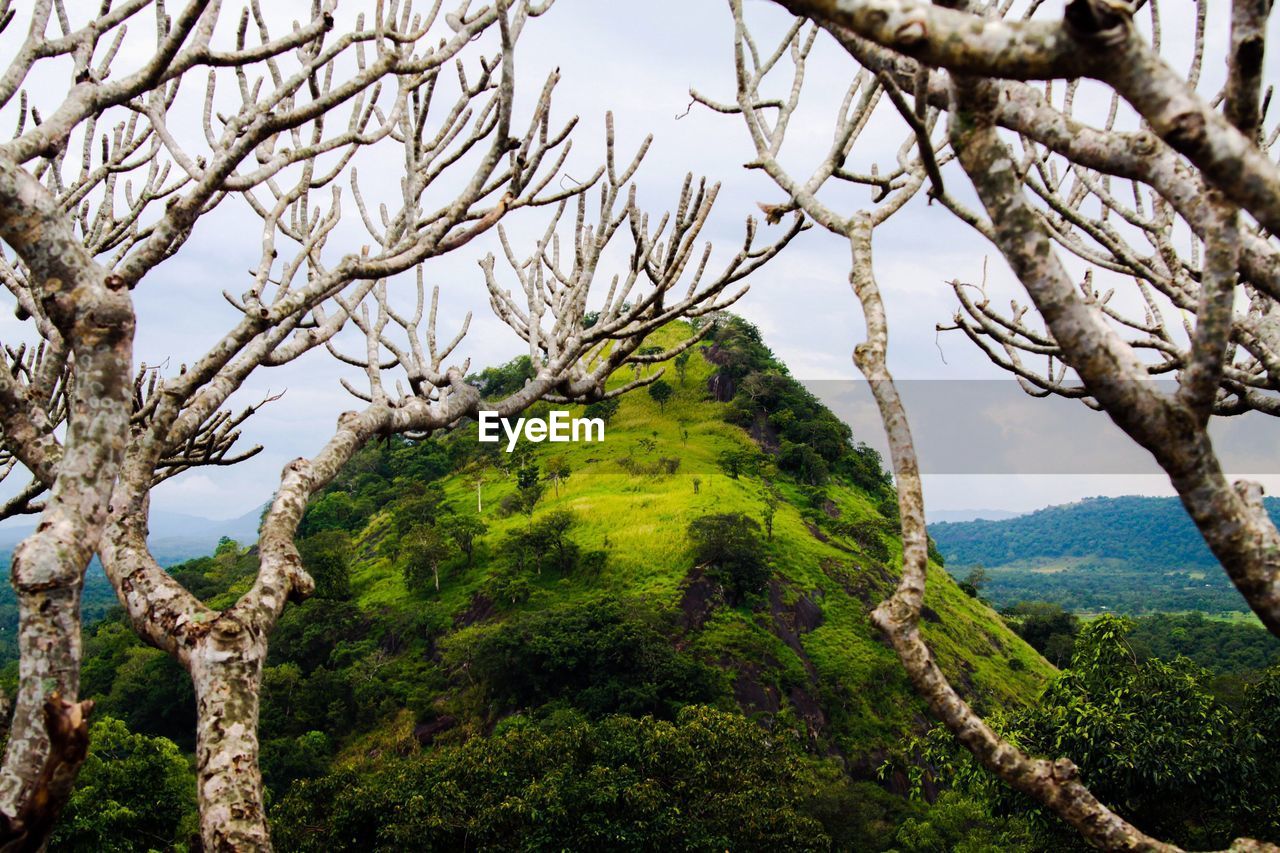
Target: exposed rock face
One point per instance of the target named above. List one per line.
(701, 597)
(481, 608)
(426, 733)
(720, 385)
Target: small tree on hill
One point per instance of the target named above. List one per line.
(423, 552)
(551, 538)
(603, 409)
(769, 494)
(661, 392)
(558, 469)
(327, 558)
(682, 364)
(529, 488)
(464, 530)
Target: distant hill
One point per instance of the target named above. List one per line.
(1131, 554)
(174, 538)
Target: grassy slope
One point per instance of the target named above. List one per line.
(641, 522)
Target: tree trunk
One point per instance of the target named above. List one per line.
(226, 667)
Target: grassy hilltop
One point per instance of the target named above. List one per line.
(601, 653)
(806, 640)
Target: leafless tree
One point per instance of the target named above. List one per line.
(101, 186)
(1169, 196)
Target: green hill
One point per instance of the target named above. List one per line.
(577, 643)
(1129, 554)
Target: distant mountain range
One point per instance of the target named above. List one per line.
(1132, 554)
(175, 537)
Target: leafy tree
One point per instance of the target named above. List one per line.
(133, 793)
(558, 468)
(309, 633)
(286, 760)
(419, 510)
(960, 824)
(327, 557)
(660, 392)
(530, 488)
(1047, 628)
(138, 685)
(422, 552)
(804, 462)
(974, 581)
(603, 409)
(551, 536)
(464, 530)
(601, 655)
(508, 583)
(770, 497)
(729, 545)
(682, 364)
(867, 533)
(1149, 738)
(335, 510)
(545, 542)
(736, 462)
(1220, 646)
(505, 379)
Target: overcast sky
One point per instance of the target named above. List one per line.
(640, 61)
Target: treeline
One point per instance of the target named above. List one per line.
(1093, 586)
(806, 439)
(1232, 650)
(1146, 534)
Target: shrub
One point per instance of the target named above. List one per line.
(603, 656)
(730, 546)
(660, 392)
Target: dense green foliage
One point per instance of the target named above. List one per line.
(706, 781)
(1048, 628)
(1153, 534)
(660, 392)
(601, 655)
(134, 793)
(1222, 647)
(503, 380)
(1151, 740)
(808, 440)
(327, 558)
(729, 545)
